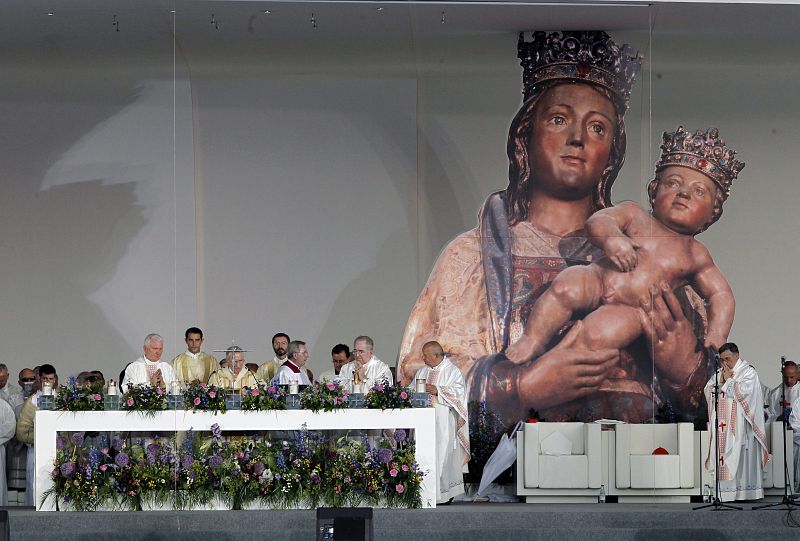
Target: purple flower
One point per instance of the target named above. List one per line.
(258, 468)
(97, 397)
(400, 435)
(215, 461)
(216, 431)
(187, 461)
(60, 442)
(121, 459)
(385, 455)
(331, 386)
(67, 469)
(315, 478)
(77, 439)
(254, 392)
(116, 443)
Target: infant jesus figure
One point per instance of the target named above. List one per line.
(644, 250)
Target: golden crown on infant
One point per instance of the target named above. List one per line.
(702, 151)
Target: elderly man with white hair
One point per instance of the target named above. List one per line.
(149, 368)
(8, 392)
(365, 370)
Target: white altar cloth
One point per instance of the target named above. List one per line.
(48, 423)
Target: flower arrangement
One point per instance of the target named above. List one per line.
(82, 474)
(384, 396)
(144, 398)
(308, 469)
(326, 396)
(204, 397)
(263, 397)
(72, 397)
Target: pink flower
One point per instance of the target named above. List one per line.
(103, 467)
(400, 488)
(203, 385)
(197, 401)
(404, 395)
(393, 472)
(97, 397)
(331, 386)
(130, 402)
(254, 392)
(159, 391)
(405, 467)
(345, 392)
(212, 394)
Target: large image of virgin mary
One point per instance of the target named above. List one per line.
(577, 87)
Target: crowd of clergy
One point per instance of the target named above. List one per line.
(356, 371)
(743, 404)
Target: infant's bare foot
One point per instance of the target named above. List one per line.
(521, 351)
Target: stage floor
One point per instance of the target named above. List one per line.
(479, 521)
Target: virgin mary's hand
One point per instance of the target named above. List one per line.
(669, 335)
(565, 373)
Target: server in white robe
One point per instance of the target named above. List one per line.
(291, 370)
(8, 427)
(365, 370)
(445, 383)
(149, 368)
(786, 389)
(739, 431)
(794, 421)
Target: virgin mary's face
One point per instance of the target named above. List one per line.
(573, 132)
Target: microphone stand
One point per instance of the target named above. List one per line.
(716, 504)
(787, 491)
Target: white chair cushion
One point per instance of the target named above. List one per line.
(556, 444)
(575, 432)
(563, 471)
(655, 471)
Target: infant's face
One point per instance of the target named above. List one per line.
(685, 199)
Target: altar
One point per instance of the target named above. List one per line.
(49, 423)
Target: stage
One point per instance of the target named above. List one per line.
(482, 521)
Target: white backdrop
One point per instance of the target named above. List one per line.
(306, 185)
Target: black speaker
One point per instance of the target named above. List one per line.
(5, 530)
(344, 523)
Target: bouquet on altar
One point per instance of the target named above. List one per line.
(384, 396)
(263, 397)
(82, 474)
(326, 396)
(306, 469)
(204, 397)
(143, 398)
(74, 397)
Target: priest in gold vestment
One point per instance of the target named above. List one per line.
(193, 365)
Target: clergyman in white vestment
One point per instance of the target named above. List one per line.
(365, 369)
(740, 430)
(444, 381)
(291, 370)
(787, 388)
(149, 368)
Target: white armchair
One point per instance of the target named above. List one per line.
(637, 468)
(559, 461)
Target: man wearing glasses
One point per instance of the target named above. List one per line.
(365, 370)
